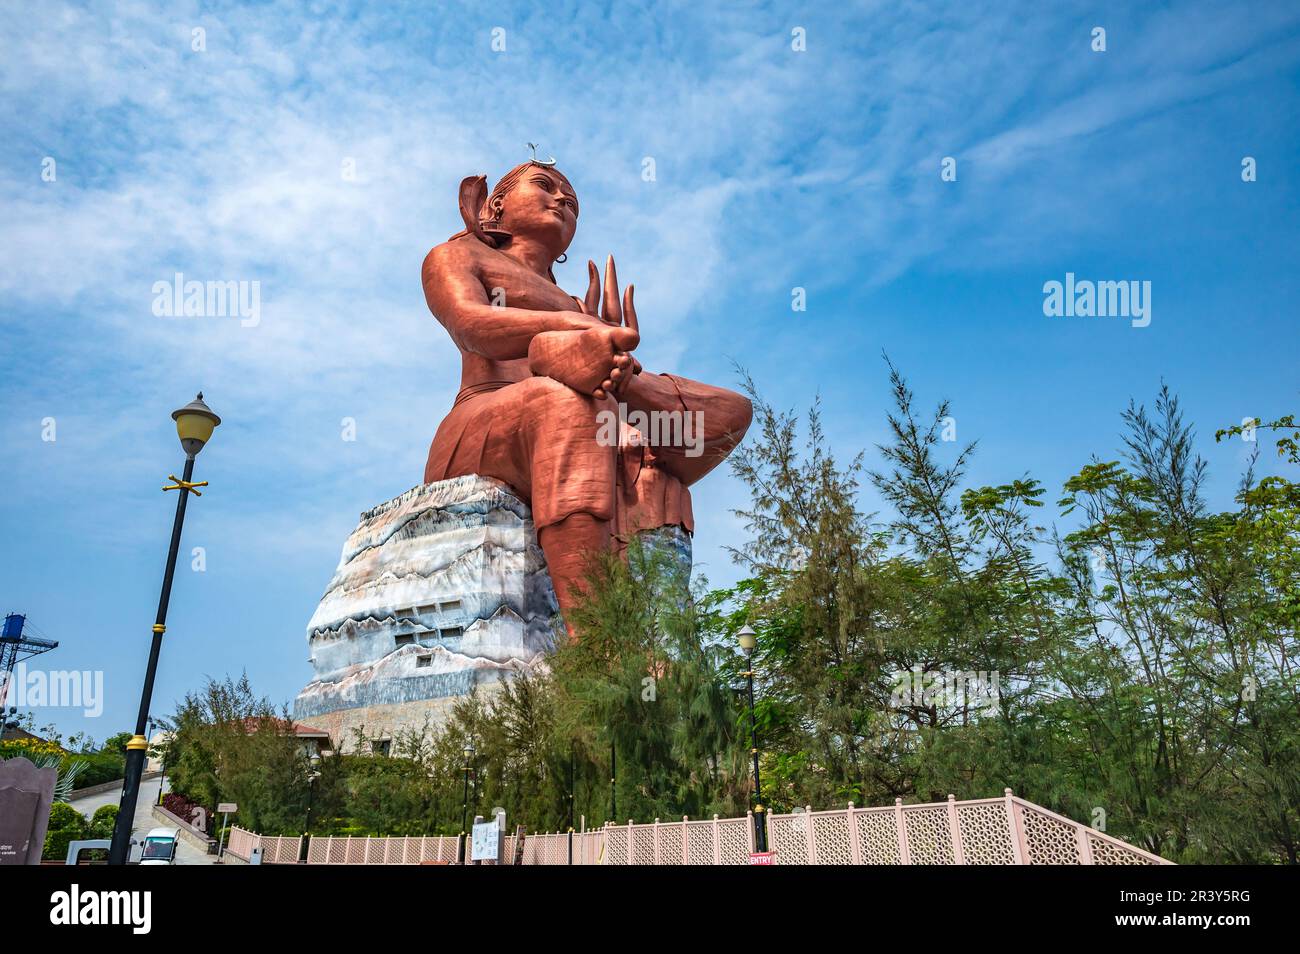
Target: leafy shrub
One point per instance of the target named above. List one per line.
(63, 815)
(56, 843)
(66, 824)
(29, 749)
(99, 767)
(184, 808)
(102, 822)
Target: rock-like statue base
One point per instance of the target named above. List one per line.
(438, 592)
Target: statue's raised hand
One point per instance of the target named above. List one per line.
(596, 360)
(625, 365)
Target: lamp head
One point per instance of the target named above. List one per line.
(747, 639)
(195, 423)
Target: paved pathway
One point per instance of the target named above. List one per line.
(186, 854)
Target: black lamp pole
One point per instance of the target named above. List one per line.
(311, 791)
(572, 783)
(748, 641)
(306, 828)
(194, 423)
(760, 829)
(464, 805)
(162, 782)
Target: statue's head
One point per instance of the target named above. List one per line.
(536, 200)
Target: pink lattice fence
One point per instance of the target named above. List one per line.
(990, 831)
(987, 831)
(552, 848)
(391, 850)
(718, 841)
(276, 849)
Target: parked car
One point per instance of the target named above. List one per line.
(160, 847)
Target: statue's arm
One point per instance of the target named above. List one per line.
(456, 297)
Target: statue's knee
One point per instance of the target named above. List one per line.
(562, 404)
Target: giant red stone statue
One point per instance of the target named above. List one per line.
(544, 372)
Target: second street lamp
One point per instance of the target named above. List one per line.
(313, 773)
(194, 425)
(464, 805)
(162, 783)
(748, 641)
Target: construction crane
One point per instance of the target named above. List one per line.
(15, 646)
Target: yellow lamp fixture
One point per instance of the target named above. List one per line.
(195, 423)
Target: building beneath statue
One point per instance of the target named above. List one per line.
(438, 591)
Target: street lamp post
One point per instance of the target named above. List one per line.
(464, 806)
(313, 773)
(572, 783)
(748, 641)
(162, 781)
(194, 424)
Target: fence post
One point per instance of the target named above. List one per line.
(855, 849)
(749, 831)
(686, 842)
(631, 855)
(1018, 846)
(811, 830)
(717, 842)
(656, 841)
(954, 829)
(904, 853)
(1085, 849)
(347, 851)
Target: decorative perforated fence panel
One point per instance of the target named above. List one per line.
(877, 831)
(989, 831)
(929, 838)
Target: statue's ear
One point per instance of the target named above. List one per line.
(473, 193)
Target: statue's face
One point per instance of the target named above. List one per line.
(541, 205)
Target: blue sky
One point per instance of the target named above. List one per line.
(774, 168)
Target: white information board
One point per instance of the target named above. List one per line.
(486, 842)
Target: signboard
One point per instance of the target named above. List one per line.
(17, 820)
(25, 796)
(486, 843)
(762, 858)
(227, 808)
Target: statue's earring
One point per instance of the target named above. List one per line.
(492, 227)
(564, 257)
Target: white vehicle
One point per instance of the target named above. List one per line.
(160, 847)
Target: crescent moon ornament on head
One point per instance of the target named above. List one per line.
(540, 162)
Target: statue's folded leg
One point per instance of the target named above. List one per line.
(542, 438)
(713, 421)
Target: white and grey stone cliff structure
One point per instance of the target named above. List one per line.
(439, 590)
